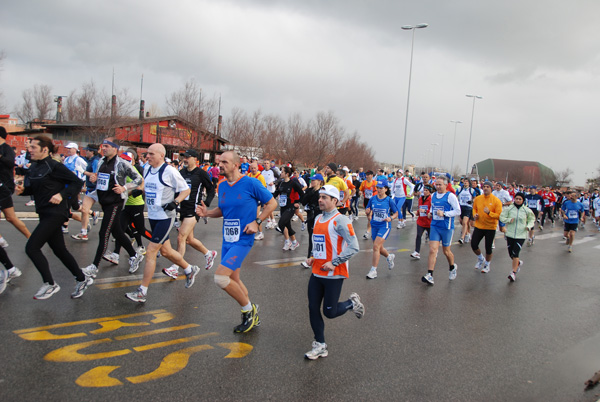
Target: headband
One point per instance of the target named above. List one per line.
(112, 144)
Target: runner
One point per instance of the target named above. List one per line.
(585, 201)
(534, 202)
(310, 200)
(571, 211)
(368, 188)
(270, 179)
(381, 211)
(112, 190)
(334, 243)
(287, 207)
(596, 210)
(340, 184)
(51, 184)
(444, 207)
(238, 199)
(549, 201)
(91, 197)
(256, 174)
(486, 213)
(518, 219)
(401, 186)
(197, 180)
(161, 183)
(466, 195)
(355, 196)
(424, 220)
(77, 165)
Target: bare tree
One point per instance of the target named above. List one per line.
(272, 141)
(37, 104)
(2, 57)
(326, 137)
(296, 141)
(190, 104)
(563, 177)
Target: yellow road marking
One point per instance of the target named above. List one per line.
(98, 377)
(156, 331)
(47, 336)
(113, 325)
(172, 342)
(71, 353)
(237, 349)
(91, 321)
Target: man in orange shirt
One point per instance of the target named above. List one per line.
(255, 173)
(368, 188)
(486, 214)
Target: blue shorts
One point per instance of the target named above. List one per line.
(380, 231)
(399, 203)
(160, 229)
(232, 255)
(442, 235)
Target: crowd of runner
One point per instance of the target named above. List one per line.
(178, 193)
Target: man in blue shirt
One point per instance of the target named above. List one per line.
(571, 211)
(239, 196)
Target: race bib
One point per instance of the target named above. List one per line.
(573, 214)
(436, 217)
(532, 204)
(547, 202)
(151, 201)
(379, 215)
(465, 198)
(319, 252)
(368, 193)
(190, 187)
(231, 230)
(102, 182)
(423, 210)
(282, 200)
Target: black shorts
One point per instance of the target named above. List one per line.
(535, 212)
(514, 246)
(365, 202)
(6, 202)
(187, 212)
(571, 226)
(466, 212)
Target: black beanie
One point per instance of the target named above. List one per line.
(3, 132)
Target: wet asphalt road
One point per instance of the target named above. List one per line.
(478, 338)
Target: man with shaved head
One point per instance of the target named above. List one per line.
(239, 196)
(161, 183)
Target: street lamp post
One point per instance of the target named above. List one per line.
(471, 132)
(441, 149)
(454, 143)
(409, 28)
(435, 144)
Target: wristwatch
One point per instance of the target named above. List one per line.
(258, 221)
(176, 202)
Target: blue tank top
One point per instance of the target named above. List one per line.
(441, 204)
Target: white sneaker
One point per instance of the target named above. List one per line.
(303, 227)
(141, 250)
(13, 273)
(134, 262)
(467, 238)
(295, 218)
(210, 259)
(390, 260)
(65, 230)
(295, 244)
(177, 225)
(287, 245)
(486, 268)
(318, 350)
(90, 270)
(80, 287)
(357, 306)
(3, 242)
(113, 258)
(453, 273)
(372, 273)
(172, 271)
(259, 236)
(304, 264)
(480, 262)
(46, 291)
(366, 235)
(3, 279)
(398, 226)
(428, 279)
(512, 276)
(30, 203)
(416, 255)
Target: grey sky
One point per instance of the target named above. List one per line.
(536, 63)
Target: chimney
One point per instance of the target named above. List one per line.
(113, 107)
(219, 126)
(59, 109)
(142, 103)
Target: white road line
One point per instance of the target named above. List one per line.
(548, 235)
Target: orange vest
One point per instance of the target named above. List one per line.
(327, 244)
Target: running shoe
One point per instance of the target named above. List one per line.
(520, 265)
(357, 306)
(366, 235)
(141, 250)
(30, 203)
(90, 270)
(13, 273)
(3, 242)
(134, 262)
(294, 218)
(259, 236)
(480, 263)
(552, 224)
(46, 291)
(177, 224)
(461, 241)
(453, 272)
(541, 227)
(304, 264)
(80, 236)
(277, 228)
(467, 238)
(398, 226)
(80, 287)
(3, 280)
(95, 217)
(172, 271)
(303, 226)
(570, 249)
(512, 276)
(428, 279)
(287, 244)
(65, 229)
(210, 259)
(191, 277)
(295, 244)
(318, 350)
(494, 245)
(372, 273)
(416, 255)
(113, 258)
(486, 268)
(137, 296)
(390, 260)
(249, 320)
(205, 219)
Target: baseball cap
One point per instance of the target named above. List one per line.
(72, 145)
(382, 183)
(399, 171)
(126, 156)
(91, 147)
(369, 172)
(317, 176)
(332, 166)
(330, 190)
(191, 152)
(168, 160)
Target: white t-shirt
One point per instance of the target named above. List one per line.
(157, 194)
(269, 177)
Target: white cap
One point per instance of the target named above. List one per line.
(167, 160)
(346, 168)
(330, 190)
(72, 145)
